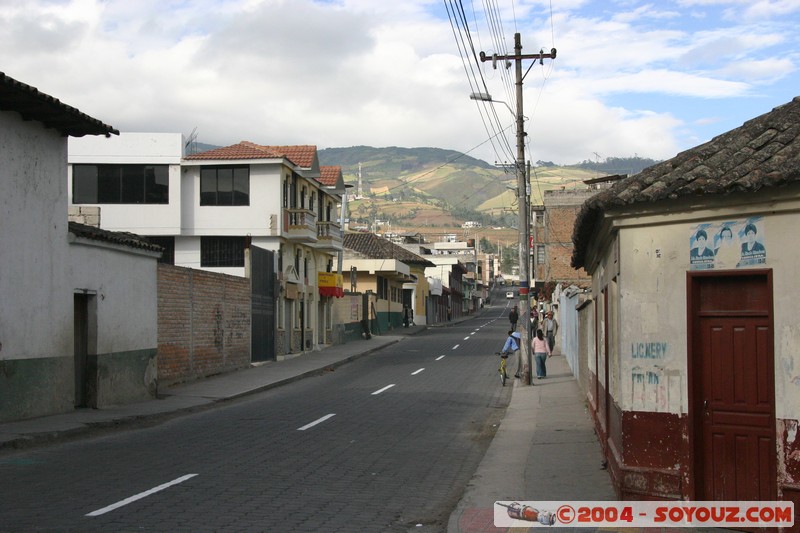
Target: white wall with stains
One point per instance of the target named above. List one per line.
(647, 322)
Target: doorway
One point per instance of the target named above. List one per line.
(84, 346)
(732, 386)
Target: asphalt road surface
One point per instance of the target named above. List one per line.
(386, 443)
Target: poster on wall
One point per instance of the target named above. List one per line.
(729, 244)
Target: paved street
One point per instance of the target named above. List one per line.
(386, 443)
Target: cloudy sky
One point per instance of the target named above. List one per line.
(630, 77)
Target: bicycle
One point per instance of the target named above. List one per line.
(502, 369)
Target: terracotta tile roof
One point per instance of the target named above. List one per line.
(372, 246)
(34, 105)
(243, 150)
(302, 155)
(329, 176)
(763, 152)
(115, 237)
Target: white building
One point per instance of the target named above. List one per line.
(690, 340)
(206, 209)
(77, 306)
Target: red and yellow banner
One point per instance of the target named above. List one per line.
(330, 284)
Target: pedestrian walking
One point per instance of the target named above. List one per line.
(406, 316)
(550, 328)
(513, 317)
(541, 351)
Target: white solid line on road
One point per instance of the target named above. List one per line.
(417, 372)
(315, 422)
(456, 346)
(440, 357)
(383, 389)
(139, 496)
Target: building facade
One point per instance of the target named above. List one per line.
(77, 305)
(692, 342)
(207, 209)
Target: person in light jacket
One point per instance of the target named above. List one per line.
(550, 329)
(512, 346)
(541, 351)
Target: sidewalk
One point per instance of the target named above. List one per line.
(544, 450)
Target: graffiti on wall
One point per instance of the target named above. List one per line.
(653, 387)
(729, 244)
(656, 389)
(648, 350)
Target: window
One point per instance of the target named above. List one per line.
(120, 184)
(221, 251)
(168, 243)
(225, 186)
(539, 254)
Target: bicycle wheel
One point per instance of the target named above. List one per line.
(503, 375)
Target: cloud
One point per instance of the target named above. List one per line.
(349, 72)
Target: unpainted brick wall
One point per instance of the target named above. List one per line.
(561, 220)
(203, 323)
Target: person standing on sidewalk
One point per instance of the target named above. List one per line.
(512, 345)
(541, 351)
(513, 316)
(550, 328)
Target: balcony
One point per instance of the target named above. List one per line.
(329, 237)
(300, 225)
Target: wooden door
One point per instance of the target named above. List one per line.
(733, 387)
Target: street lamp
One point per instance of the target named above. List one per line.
(486, 97)
(524, 229)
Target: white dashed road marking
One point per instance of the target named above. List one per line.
(315, 422)
(141, 495)
(417, 372)
(383, 389)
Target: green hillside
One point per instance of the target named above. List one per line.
(435, 187)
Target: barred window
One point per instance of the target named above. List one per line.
(222, 251)
(168, 243)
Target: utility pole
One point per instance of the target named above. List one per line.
(523, 194)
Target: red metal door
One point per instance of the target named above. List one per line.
(734, 389)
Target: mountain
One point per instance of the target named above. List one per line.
(413, 187)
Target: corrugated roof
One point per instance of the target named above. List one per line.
(122, 238)
(51, 112)
(372, 246)
(763, 152)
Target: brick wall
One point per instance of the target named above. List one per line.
(562, 207)
(203, 323)
(559, 249)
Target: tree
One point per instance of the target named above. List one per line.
(510, 260)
